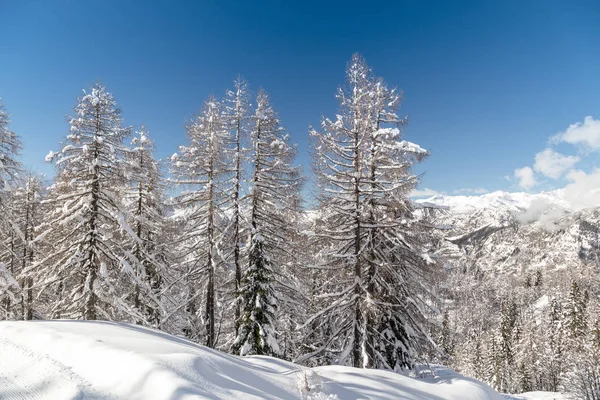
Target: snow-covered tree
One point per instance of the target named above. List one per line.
(554, 352)
(10, 147)
(146, 208)
(199, 166)
(90, 263)
(446, 340)
(10, 166)
(528, 352)
(372, 243)
(275, 202)
(9, 288)
(506, 344)
(236, 109)
(28, 217)
(10, 256)
(576, 320)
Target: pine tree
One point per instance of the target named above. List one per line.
(525, 383)
(446, 342)
(504, 345)
(496, 359)
(576, 315)
(527, 355)
(199, 166)
(90, 260)
(554, 354)
(478, 359)
(596, 334)
(370, 235)
(538, 278)
(275, 196)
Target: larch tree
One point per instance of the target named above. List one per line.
(10, 166)
(11, 239)
(373, 245)
(146, 210)
(10, 147)
(275, 193)
(236, 113)
(11, 236)
(199, 166)
(90, 260)
(28, 217)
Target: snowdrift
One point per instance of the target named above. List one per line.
(104, 360)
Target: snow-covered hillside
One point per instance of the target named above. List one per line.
(104, 360)
(527, 259)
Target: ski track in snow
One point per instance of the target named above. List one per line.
(14, 389)
(29, 384)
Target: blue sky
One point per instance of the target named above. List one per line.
(486, 84)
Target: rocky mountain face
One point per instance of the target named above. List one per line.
(516, 234)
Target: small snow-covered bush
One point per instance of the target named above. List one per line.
(311, 387)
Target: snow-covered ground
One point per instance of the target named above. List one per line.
(104, 360)
(537, 396)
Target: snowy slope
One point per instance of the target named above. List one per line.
(538, 396)
(102, 360)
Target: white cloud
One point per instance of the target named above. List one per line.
(544, 212)
(471, 191)
(584, 189)
(526, 177)
(553, 164)
(424, 193)
(507, 178)
(586, 134)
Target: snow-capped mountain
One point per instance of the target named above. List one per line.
(518, 232)
(516, 201)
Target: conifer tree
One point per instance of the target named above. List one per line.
(506, 342)
(199, 166)
(368, 230)
(10, 166)
(446, 339)
(147, 217)
(554, 354)
(10, 148)
(236, 109)
(10, 240)
(90, 260)
(27, 221)
(275, 195)
(576, 315)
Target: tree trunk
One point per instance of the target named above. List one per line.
(236, 228)
(358, 319)
(370, 314)
(89, 311)
(210, 287)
